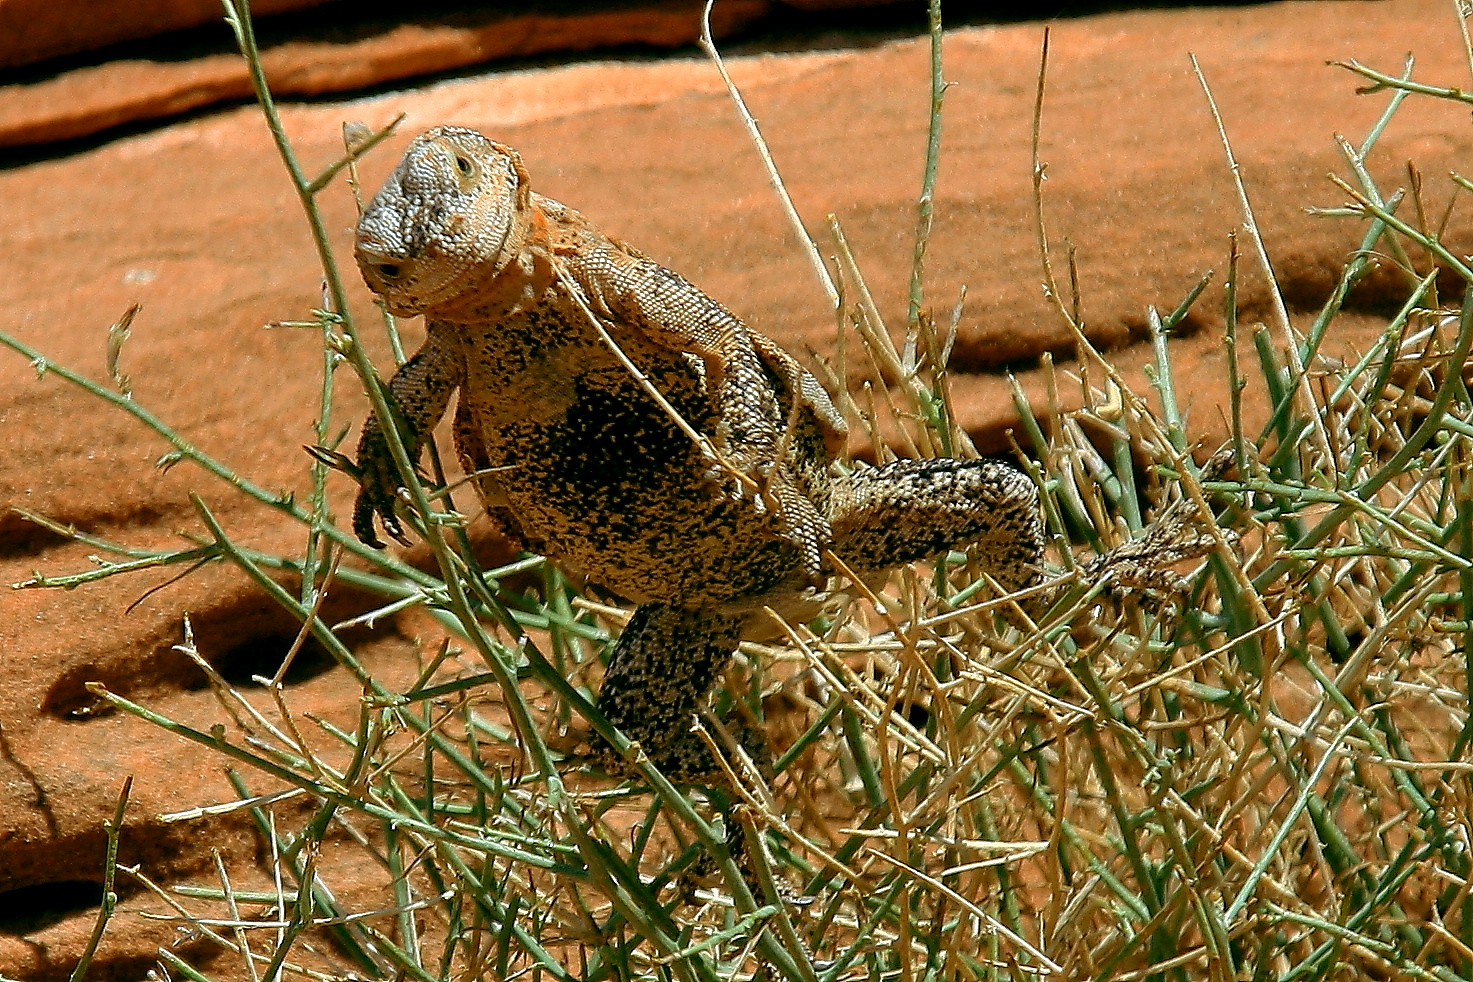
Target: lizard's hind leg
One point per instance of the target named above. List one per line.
(909, 510)
(665, 662)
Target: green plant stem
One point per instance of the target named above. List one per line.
(925, 206)
(114, 830)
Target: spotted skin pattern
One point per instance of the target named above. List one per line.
(599, 476)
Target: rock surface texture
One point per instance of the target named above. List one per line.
(197, 222)
(71, 101)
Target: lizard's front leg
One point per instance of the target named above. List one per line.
(420, 391)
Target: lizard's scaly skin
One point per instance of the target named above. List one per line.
(598, 475)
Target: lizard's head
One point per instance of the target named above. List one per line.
(443, 221)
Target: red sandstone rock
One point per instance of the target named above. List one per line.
(82, 101)
(35, 30)
(197, 222)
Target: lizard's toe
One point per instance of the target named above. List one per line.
(375, 506)
(363, 515)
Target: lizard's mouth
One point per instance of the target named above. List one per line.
(392, 277)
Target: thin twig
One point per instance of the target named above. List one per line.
(708, 45)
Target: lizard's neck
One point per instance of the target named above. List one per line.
(518, 275)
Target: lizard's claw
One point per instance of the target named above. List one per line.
(370, 505)
(333, 459)
(378, 487)
(738, 479)
(375, 493)
(1142, 569)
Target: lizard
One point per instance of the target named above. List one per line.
(638, 433)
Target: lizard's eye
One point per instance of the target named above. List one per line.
(464, 166)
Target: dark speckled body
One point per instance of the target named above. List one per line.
(528, 309)
(599, 473)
